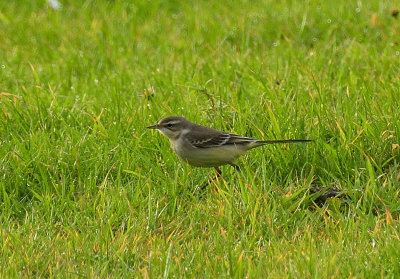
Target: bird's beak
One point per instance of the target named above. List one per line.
(153, 126)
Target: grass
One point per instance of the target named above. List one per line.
(87, 191)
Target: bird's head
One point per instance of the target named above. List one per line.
(171, 126)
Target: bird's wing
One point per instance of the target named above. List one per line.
(213, 138)
(211, 141)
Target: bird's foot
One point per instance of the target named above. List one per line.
(236, 167)
(219, 173)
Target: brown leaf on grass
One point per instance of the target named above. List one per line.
(374, 19)
(395, 146)
(15, 97)
(96, 248)
(223, 232)
(240, 257)
(376, 229)
(389, 218)
(394, 13)
(144, 272)
(387, 134)
(6, 94)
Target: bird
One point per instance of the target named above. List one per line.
(202, 146)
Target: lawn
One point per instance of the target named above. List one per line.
(87, 191)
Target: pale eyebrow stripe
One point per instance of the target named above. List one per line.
(172, 122)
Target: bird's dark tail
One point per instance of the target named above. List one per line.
(257, 143)
(282, 141)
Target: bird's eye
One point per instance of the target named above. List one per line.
(169, 125)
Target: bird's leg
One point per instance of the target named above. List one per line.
(236, 167)
(219, 173)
